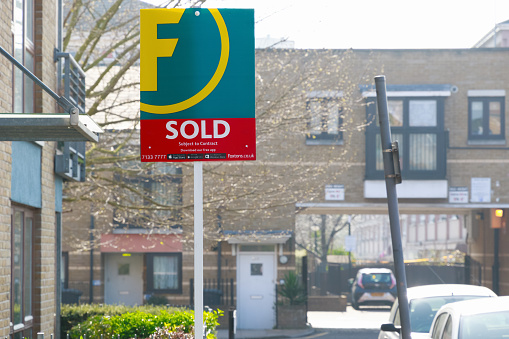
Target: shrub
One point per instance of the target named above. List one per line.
(157, 300)
(292, 290)
(141, 323)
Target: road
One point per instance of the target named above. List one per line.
(362, 324)
(335, 333)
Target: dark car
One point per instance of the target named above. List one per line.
(373, 286)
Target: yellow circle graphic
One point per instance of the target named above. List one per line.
(214, 81)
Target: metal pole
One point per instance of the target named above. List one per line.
(61, 101)
(496, 262)
(231, 325)
(349, 251)
(198, 250)
(91, 274)
(392, 200)
(58, 287)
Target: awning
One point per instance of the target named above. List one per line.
(404, 208)
(47, 127)
(140, 243)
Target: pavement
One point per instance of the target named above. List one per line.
(370, 318)
(255, 334)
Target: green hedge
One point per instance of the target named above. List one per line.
(142, 321)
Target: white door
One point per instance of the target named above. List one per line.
(123, 279)
(256, 290)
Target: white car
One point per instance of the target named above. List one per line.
(486, 318)
(424, 302)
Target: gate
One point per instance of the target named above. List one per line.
(335, 280)
(473, 271)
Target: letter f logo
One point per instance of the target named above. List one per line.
(151, 47)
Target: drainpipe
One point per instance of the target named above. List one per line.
(219, 254)
(58, 273)
(496, 263)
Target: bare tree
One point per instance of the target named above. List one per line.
(104, 34)
(317, 234)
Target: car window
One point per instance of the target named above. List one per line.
(485, 325)
(421, 316)
(423, 310)
(374, 278)
(394, 316)
(397, 320)
(447, 334)
(439, 324)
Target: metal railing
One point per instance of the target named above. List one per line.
(74, 80)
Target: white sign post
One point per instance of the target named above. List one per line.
(198, 250)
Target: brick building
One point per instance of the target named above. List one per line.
(35, 159)
(317, 129)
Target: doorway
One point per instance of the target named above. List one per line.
(256, 272)
(123, 279)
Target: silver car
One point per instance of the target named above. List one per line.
(424, 302)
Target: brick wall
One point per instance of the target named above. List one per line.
(5, 173)
(5, 237)
(308, 169)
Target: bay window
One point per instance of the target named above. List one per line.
(417, 123)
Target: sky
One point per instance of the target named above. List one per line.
(362, 24)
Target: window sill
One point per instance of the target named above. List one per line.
(410, 189)
(486, 142)
(325, 142)
(158, 292)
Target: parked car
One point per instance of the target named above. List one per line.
(373, 286)
(424, 302)
(481, 318)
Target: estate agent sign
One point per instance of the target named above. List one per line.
(197, 85)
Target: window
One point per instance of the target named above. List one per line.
(150, 199)
(325, 118)
(64, 270)
(486, 118)
(439, 325)
(417, 124)
(23, 42)
(21, 272)
(164, 272)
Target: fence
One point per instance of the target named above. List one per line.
(473, 271)
(215, 293)
(335, 280)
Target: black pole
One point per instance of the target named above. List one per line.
(391, 179)
(496, 262)
(231, 323)
(349, 253)
(305, 280)
(220, 227)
